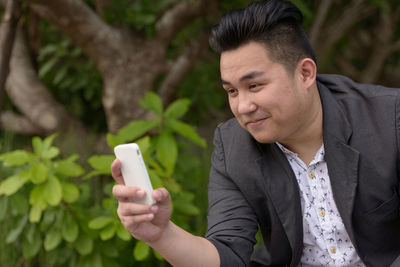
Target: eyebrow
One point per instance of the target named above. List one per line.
(247, 76)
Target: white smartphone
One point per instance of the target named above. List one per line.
(134, 170)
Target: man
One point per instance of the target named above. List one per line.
(312, 161)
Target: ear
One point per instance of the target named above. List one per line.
(307, 71)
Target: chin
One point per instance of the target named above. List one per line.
(263, 139)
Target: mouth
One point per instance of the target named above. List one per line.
(256, 122)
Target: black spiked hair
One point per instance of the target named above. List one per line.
(277, 24)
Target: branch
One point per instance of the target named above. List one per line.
(346, 67)
(382, 44)
(7, 33)
(319, 21)
(80, 23)
(181, 68)
(358, 10)
(16, 123)
(177, 17)
(30, 96)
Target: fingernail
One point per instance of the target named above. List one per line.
(150, 216)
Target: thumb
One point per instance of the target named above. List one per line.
(162, 196)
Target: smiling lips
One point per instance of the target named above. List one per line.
(256, 122)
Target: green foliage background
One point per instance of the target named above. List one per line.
(48, 210)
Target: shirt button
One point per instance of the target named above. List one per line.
(322, 213)
(311, 175)
(333, 250)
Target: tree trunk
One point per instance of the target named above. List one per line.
(129, 62)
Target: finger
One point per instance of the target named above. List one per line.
(128, 193)
(131, 221)
(162, 196)
(133, 209)
(116, 171)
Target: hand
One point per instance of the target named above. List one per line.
(144, 222)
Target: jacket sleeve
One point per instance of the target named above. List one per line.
(232, 223)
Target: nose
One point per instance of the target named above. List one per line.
(245, 104)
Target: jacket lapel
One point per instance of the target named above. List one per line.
(282, 189)
(342, 160)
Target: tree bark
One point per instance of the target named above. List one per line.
(8, 28)
(129, 62)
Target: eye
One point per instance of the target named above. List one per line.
(231, 91)
(253, 85)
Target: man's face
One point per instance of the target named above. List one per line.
(266, 100)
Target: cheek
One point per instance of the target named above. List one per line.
(233, 105)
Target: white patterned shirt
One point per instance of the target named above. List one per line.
(326, 242)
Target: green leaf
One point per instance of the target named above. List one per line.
(37, 195)
(152, 102)
(37, 144)
(84, 244)
(3, 207)
(111, 206)
(108, 232)
(132, 131)
(144, 144)
(35, 213)
(31, 248)
(167, 151)
(113, 140)
(109, 250)
(60, 75)
(94, 173)
(68, 168)
(38, 201)
(52, 239)
(52, 152)
(49, 218)
(38, 173)
(100, 222)
(186, 130)
(12, 184)
(123, 233)
(14, 233)
(141, 251)
(15, 158)
(70, 230)
(70, 192)
(19, 204)
(156, 181)
(30, 233)
(95, 259)
(178, 108)
(47, 50)
(102, 162)
(47, 66)
(186, 208)
(53, 191)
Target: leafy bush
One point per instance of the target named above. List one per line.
(48, 201)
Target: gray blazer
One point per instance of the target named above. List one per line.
(252, 185)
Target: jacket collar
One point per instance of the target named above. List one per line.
(341, 158)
